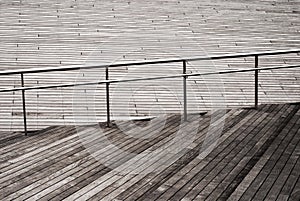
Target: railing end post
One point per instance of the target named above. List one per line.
(24, 105)
(107, 98)
(256, 83)
(184, 91)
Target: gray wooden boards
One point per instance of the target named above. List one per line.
(255, 158)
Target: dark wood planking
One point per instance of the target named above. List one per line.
(220, 169)
(248, 160)
(8, 138)
(118, 161)
(294, 195)
(73, 173)
(261, 177)
(234, 171)
(152, 194)
(118, 140)
(82, 162)
(292, 180)
(244, 185)
(88, 194)
(282, 180)
(172, 188)
(124, 187)
(231, 121)
(278, 171)
(34, 155)
(29, 144)
(131, 183)
(211, 161)
(211, 181)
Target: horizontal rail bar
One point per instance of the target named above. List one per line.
(239, 55)
(150, 78)
(158, 61)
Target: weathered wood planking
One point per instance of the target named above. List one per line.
(256, 158)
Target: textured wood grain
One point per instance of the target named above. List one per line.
(256, 157)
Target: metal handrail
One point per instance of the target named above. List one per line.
(108, 82)
(157, 61)
(148, 78)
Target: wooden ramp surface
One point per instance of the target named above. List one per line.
(256, 157)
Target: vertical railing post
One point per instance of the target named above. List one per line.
(256, 81)
(24, 105)
(107, 98)
(184, 92)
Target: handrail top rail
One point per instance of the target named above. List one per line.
(157, 61)
(149, 78)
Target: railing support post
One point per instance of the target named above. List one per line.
(107, 99)
(184, 92)
(256, 81)
(24, 105)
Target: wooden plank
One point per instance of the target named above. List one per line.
(70, 191)
(292, 180)
(86, 193)
(72, 173)
(25, 160)
(171, 188)
(243, 165)
(134, 182)
(46, 180)
(231, 121)
(31, 143)
(153, 182)
(149, 194)
(243, 186)
(295, 193)
(260, 178)
(78, 178)
(8, 138)
(81, 161)
(189, 180)
(230, 161)
(281, 181)
(127, 182)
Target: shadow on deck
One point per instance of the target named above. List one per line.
(256, 157)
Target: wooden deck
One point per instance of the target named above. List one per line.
(255, 158)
